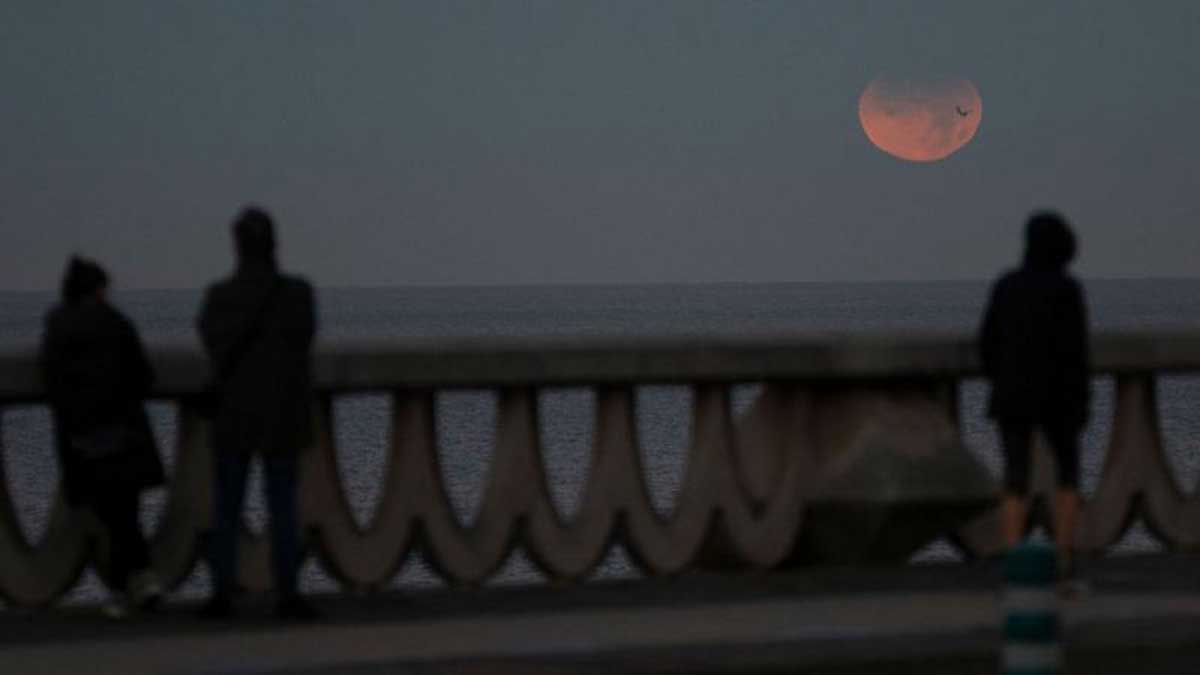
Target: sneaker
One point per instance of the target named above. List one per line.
(115, 608)
(146, 590)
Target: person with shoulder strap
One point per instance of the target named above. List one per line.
(257, 328)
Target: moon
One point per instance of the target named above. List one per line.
(920, 120)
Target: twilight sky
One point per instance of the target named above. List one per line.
(559, 142)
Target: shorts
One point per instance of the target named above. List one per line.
(1017, 438)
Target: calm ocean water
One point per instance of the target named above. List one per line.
(466, 418)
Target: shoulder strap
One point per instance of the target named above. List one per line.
(239, 349)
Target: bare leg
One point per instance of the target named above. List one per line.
(1015, 438)
(1066, 514)
(1013, 512)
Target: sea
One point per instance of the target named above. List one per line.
(466, 419)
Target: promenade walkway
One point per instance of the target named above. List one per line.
(1143, 616)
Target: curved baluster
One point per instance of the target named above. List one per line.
(714, 509)
(1133, 447)
(666, 545)
(748, 531)
(33, 576)
(615, 504)
(364, 557)
(717, 514)
(775, 460)
(1169, 513)
(764, 438)
(562, 548)
(614, 486)
(469, 554)
(188, 511)
(984, 535)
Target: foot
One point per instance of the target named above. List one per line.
(116, 608)
(296, 608)
(218, 608)
(1071, 583)
(146, 591)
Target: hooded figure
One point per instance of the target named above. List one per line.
(1034, 349)
(258, 327)
(1034, 340)
(97, 374)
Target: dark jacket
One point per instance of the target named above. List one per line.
(258, 329)
(1034, 343)
(96, 374)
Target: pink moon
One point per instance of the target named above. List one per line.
(920, 120)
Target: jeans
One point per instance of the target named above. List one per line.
(279, 472)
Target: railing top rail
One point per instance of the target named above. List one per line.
(468, 362)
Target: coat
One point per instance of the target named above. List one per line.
(1034, 347)
(257, 328)
(96, 375)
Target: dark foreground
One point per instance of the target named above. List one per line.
(1142, 616)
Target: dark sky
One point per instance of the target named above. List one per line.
(561, 142)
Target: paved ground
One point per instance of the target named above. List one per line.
(1142, 616)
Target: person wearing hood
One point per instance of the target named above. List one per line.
(257, 328)
(1034, 349)
(97, 375)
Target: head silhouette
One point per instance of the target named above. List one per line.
(1049, 242)
(83, 279)
(254, 235)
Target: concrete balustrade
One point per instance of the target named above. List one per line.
(852, 452)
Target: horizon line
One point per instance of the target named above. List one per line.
(623, 284)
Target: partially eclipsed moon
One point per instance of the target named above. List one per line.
(921, 121)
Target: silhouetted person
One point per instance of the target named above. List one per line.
(1034, 347)
(257, 328)
(96, 376)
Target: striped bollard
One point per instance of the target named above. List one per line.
(1031, 622)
